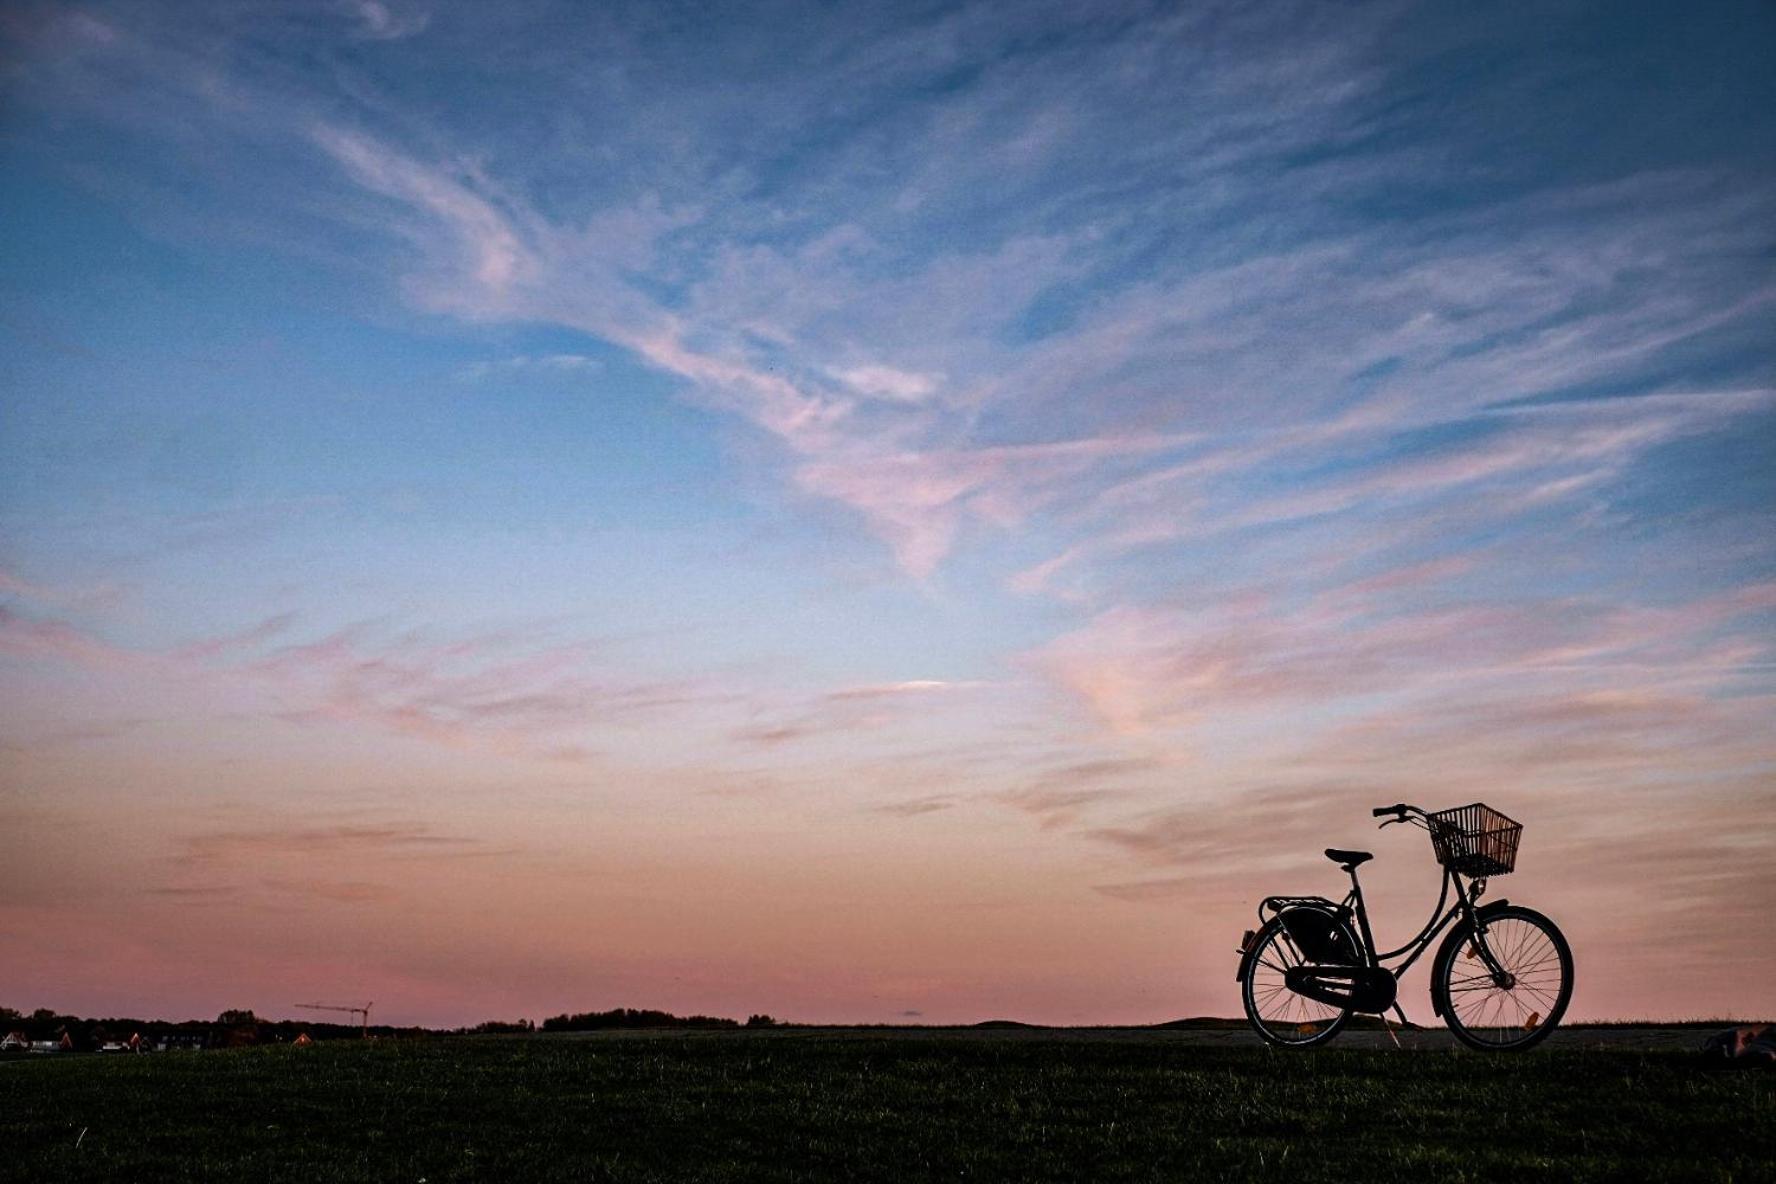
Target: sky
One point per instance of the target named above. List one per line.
(874, 512)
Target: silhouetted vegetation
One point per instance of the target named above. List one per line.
(233, 1028)
(500, 1028)
(240, 1027)
(629, 1017)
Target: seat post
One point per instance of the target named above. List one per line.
(1363, 918)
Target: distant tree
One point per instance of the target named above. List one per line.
(44, 1015)
(7, 1014)
(760, 1021)
(237, 1016)
(629, 1017)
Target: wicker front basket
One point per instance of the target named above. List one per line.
(1475, 840)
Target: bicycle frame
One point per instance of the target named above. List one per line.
(1324, 951)
(1361, 970)
(1463, 908)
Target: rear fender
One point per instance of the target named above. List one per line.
(1249, 951)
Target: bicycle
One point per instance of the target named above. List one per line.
(1501, 980)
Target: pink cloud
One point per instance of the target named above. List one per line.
(920, 500)
(492, 249)
(41, 638)
(1166, 666)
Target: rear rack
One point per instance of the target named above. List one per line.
(1276, 904)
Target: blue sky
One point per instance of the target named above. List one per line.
(1072, 458)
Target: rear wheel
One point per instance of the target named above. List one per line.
(1278, 1014)
(1519, 1010)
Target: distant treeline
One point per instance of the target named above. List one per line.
(232, 1029)
(239, 1026)
(629, 1017)
(499, 1028)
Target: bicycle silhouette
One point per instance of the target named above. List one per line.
(1501, 979)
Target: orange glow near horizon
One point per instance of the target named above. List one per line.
(458, 884)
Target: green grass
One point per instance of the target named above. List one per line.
(857, 1106)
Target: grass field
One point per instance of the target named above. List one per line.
(857, 1106)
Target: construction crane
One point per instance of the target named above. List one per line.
(346, 1007)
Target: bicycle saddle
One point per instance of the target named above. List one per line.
(1348, 859)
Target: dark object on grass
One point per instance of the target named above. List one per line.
(1752, 1046)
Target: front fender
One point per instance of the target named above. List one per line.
(1452, 941)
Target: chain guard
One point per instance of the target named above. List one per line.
(1360, 988)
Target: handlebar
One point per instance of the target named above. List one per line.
(1400, 812)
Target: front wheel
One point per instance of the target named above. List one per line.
(1519, 1009)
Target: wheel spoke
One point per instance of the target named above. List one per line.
(1281, 1014)
(1498, 1016)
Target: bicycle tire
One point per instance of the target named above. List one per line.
(1530, 946)
(1275, 1031)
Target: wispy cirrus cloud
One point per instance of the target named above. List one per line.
(1058, 808)
(1530, 321)
(42, 637)
(1171, 667)
(394, 840)
(849, 711)
(517, 691)
(495, 689)
(531, 364)
(484, 243)
(1252, 309)
(351, 863)
(382, 20)
(915, 807)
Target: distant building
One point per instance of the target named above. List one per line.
(179, 1041)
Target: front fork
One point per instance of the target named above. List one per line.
(1478, 947)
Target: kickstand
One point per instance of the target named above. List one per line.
(1389, 1024)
